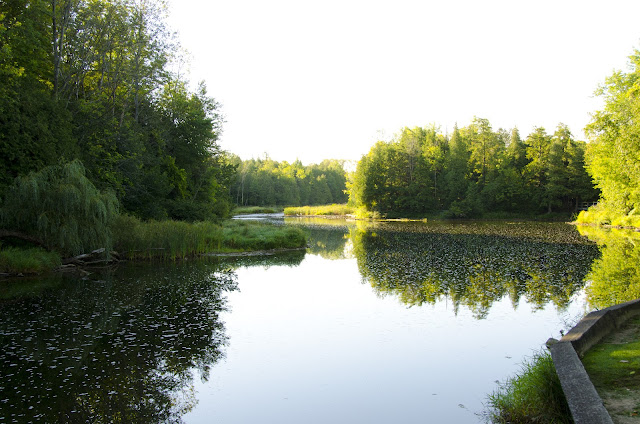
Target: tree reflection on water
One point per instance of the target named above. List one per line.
(615, 276)
(121, 348)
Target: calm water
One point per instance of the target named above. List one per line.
(397, 322)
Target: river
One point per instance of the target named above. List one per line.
(390, 322)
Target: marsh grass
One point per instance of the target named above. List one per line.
(246, 210)
(164, 239)
(334, 209)
(532, 396)
(28, 261)
(178, 239)
(249, 236)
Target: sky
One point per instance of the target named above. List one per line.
(314, 80)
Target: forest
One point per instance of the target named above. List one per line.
(95, 81)
(473, 171)
(265, 182)
(97, 121)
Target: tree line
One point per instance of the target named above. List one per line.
(472, 171)
(265, 182)
(91, 80)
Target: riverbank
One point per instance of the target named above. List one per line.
(159, 240)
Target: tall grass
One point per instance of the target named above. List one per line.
(245, 210)
(28, 261)
(178, 239)
(248, 236)
(334, 209)
(164, 239)
(533, 396)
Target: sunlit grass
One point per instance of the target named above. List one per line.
(27, 261)
(532, 396)
(334, 209)
(248, 236)
(247, 210)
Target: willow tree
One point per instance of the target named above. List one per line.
(61, 208)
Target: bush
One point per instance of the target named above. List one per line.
(533, 396)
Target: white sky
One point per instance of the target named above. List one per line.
(314, 80)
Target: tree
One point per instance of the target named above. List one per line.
(61, 207)
(613, 156)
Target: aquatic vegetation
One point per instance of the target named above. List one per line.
(178, 239)
(534, 395)
(245, 236)
(247, 210)
(164, 239)
(334, 209)
(474, 264)
(26, 261)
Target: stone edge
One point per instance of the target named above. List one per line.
(583, 399)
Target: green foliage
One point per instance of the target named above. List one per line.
(613, 154)
(247, 236)
(171, 240)
(248, 210)
(265, 182)
(27, 261)
(62, 207)
(91, 80)
(533, 396)
(166, 239)
(615, 276)
(337, 210)
(473, 264)
(473, 172)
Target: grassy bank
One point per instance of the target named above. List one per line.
(28, 261)
(613, 366)
(166, 240)
(177, 239)
(247, 210)
(324, 210)
(532, 396)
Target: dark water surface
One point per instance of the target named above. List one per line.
(394, 322)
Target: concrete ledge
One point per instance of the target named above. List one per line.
(584, 401)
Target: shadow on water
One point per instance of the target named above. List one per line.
(123, 346)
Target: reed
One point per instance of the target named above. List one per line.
(28, 261)
(171, 240)
(164, 239)
(333, 209)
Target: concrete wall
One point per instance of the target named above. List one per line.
(584, 402)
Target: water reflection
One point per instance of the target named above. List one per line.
(470, 264)
(615, 276)
(121, 348)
